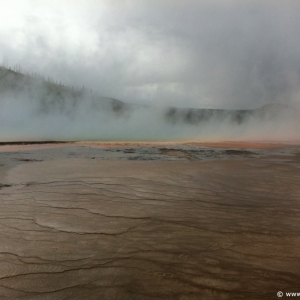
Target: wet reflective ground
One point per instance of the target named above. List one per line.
(149, 223)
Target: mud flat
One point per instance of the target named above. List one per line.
(154, 221)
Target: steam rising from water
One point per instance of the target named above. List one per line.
(39, 110)
(204, 54)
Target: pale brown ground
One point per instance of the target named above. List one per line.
(223, 144)
(12, 148)
(108, 144)
(77, 228)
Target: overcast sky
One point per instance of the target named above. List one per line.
(192, 53)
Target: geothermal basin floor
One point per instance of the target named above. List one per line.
(129, 221)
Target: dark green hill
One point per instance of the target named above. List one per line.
(49, 96)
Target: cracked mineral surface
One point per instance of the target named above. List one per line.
(184, 222)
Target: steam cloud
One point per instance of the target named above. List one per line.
(228, 55)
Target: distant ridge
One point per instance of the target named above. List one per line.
(196, 116)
